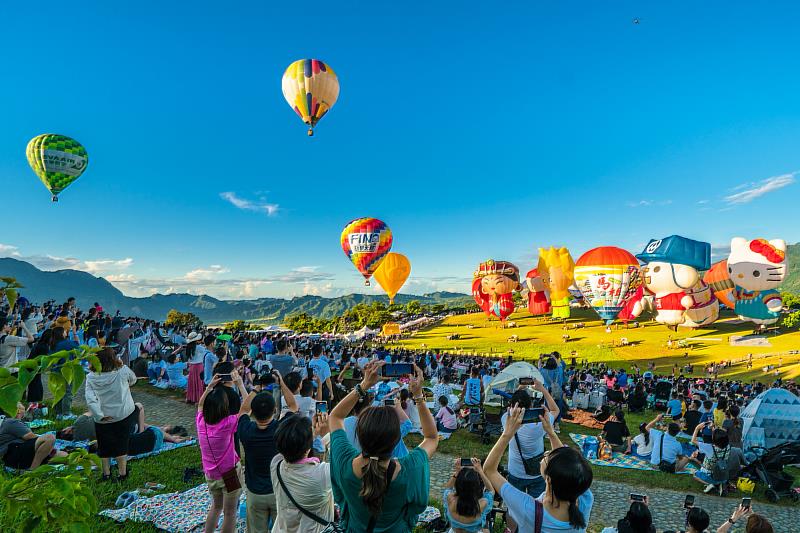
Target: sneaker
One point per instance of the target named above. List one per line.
(709, 488)
(557, 428)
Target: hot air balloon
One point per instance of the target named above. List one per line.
(720, 282)
(392, 274)
(311, 88)
(57, 160)
(493, 285)
(538, 295)
(607, 276)
(365, 242)
(556, 268)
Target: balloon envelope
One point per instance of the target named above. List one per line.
(720, 282)
(607, 276)
(311, 88)
(57, 160)
(392, 273)
(365, 242)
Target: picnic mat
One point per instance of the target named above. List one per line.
(173, 512)
(621, 460)
(186, 511)
(44, 422)
(584, 418)
(168, 446)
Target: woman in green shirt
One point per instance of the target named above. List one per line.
(369, 504)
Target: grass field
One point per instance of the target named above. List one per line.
(648, 342)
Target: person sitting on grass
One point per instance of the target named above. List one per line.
(149, 438)
(174, 368)
(674, 406)
(667, 452)
(616, 432)
(468, 497)
(446, 420)
(23, 449)
(566, 503)
(721, 462)
(643, 442)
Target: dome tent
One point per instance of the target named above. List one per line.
(771, 419)
(508, 380)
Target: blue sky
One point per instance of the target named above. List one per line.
(474, 129)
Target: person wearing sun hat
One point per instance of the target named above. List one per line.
(195, 385)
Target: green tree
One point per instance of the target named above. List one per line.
(176, 318)
(792, 320)
(414, 307)
(236, 325)
(791, 300)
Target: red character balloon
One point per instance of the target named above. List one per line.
(493, 285)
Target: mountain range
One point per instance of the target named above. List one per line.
(40, 286)
(60, 284)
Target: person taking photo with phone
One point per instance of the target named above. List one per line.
(468, 497)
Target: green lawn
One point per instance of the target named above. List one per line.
(646, 343)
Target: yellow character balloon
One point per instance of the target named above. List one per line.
(393, 273)
(557, 270)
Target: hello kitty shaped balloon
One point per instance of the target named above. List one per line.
(756, 268)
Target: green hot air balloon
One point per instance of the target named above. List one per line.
(57, 160)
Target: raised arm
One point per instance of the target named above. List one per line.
(552, 436)
(697, 429)
(492, 463)
(552, 406)
(430, 441)
(288, 397)
(211, 385)
(245, 409)
(343, 408)
(654, 421)
(738, 514)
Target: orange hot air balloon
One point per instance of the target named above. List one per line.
(720, 282)
(392, 274)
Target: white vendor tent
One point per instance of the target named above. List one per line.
(508, 380)
(365, 332)
(771, 419)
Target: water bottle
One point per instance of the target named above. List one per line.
(243, 510)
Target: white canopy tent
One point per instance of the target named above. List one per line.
(365, 332)
(508, 381)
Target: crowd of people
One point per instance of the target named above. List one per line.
(312, 428)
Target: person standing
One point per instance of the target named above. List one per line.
(108, 397)
(9, 343)
(195, 353)
(210, 359)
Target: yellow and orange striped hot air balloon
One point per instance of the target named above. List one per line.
(311, 88)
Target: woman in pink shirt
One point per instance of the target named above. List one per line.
(215, 431)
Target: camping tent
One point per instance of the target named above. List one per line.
(508, 380)
(365, 332)
(771, 419)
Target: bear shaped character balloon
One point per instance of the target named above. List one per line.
(493, 285)
(756, 268)
(670, 270)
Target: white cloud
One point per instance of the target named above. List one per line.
(259, 206)
(203, 274)
(640, 203)
(720, 252)
(97, 267)
(751, 191)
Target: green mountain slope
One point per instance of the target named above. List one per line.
(87, 289)
(792, 282)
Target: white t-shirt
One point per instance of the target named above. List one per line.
(8, 349)
(306, 406)
(531, 440)
(642, 448)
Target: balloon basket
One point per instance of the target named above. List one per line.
(54, 198)
(366, 282)
(310, 132)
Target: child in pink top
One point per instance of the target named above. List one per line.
(216, 445)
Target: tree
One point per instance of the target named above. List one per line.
(236, 325)
(791, 300)
(792, 320)
(178, 319)
(414, 307)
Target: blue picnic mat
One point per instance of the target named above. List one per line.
(621, 460)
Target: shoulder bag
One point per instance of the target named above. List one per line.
(664, 466)
(231, 477)
(532, 465)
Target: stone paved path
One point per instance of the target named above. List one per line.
(611, 498)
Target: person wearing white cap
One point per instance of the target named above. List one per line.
(195, 385)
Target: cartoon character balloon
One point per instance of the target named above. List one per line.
(311, 88)
(392, 274)
(757, 268)
(671, 272)
(705, 307)
(493, 285)
(607, 277)
(557, 270)
(57, 160)
(538, 295)
(720, 282)
(365, 242)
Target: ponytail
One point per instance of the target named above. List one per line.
(373, 485)
(576, 518)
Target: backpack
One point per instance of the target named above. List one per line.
(589, 447)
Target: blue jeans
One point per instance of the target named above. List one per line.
(533, 487)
